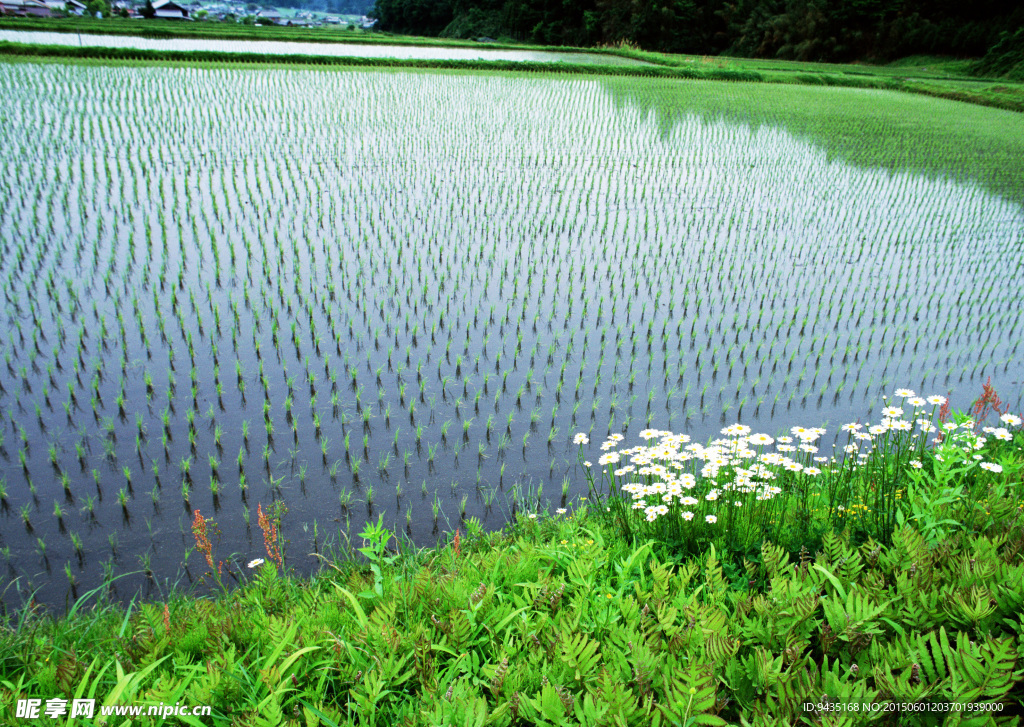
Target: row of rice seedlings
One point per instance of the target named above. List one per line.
(511, 297)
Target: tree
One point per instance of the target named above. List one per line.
(148, 11)
(97, 6)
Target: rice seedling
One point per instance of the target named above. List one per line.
(76, 543)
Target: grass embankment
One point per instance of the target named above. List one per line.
(596, 615)
(943, 78)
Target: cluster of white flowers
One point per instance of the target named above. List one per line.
(660, 464)
(656, 468)
(1001, 433)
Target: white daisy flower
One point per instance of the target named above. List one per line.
(736, 430)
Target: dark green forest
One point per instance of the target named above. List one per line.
(809, 30)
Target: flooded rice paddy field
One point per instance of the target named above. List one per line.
(360, 50)
(361, 292)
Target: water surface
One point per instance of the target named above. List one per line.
(372, 292)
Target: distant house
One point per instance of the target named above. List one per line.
(367, 23)
(270, 14)
(57, 7)
(26, 8)
(169, 10)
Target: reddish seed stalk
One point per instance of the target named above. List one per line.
(202, 539)
(986, 404)
(269, 536)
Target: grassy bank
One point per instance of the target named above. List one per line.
(580, 615)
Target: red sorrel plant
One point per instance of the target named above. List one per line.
(987, 403)
(200, 526)
(202, 539)
(270, 541)
(944, 412)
